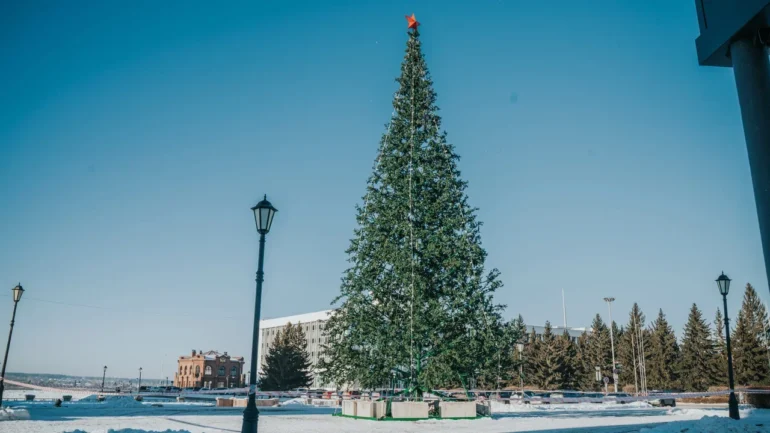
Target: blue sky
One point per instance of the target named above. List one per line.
(135, 136)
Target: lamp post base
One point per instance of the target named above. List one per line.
(733, 406)
(250, 416)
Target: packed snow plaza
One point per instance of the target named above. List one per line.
(418, 335)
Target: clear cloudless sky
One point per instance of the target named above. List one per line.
(134, 137)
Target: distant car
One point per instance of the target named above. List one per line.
(663, 402)
(619, 395)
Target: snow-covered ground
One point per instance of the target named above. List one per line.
(90, 416)
(18, 394)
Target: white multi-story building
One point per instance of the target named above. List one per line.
(313, 325)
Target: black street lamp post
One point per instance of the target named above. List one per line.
(724, 287)
(104, 374)
(17, 292)
(263, 216)
(139, 387)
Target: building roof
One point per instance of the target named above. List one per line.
(557, 330)
(299, 318)
(212, 355)
(324, 315)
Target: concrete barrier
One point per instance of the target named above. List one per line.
(224, 402)
(349, 407)
(409, 410)
(484, 409)
(380, 409)
(240, 402)
(365, 409)
(265, 402)
(457, 409)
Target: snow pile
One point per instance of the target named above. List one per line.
(8, 414)
(113, 401)
(710, 424)
(294, 401)
(133, 430)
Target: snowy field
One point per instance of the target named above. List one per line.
(90, 416)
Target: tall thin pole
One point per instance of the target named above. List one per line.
(633, 355)
(251, 414)
(642, 361)
(612, 345)
(564, 309)
(7, 348)
(139, 387)
(104, 374)
(732, 402)
(521, 372)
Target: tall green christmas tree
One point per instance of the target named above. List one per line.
(416, 300)
(662, 356)
(698, 357)
(750, 351)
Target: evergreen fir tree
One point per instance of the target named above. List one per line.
(287, 364)
(750, 356)
(415, 300)
(629, 349)
(720, 350)
(662, 358)
(698, 365)
(547, 362)
(599, 349)
(556, 363)
(568, 371)
(586, 376)
(516, 364)
(532, 355)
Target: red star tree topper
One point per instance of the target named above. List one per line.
(412, 22)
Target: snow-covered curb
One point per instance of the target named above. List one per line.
(498, 407)
(131, 430)
(719, 424)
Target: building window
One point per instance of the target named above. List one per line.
(221, 371)
(234, 371)
(197, 370)
(208, 370)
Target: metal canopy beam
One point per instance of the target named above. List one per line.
(722, 22)
(734, 33)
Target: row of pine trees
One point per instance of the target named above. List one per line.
(695, 362)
